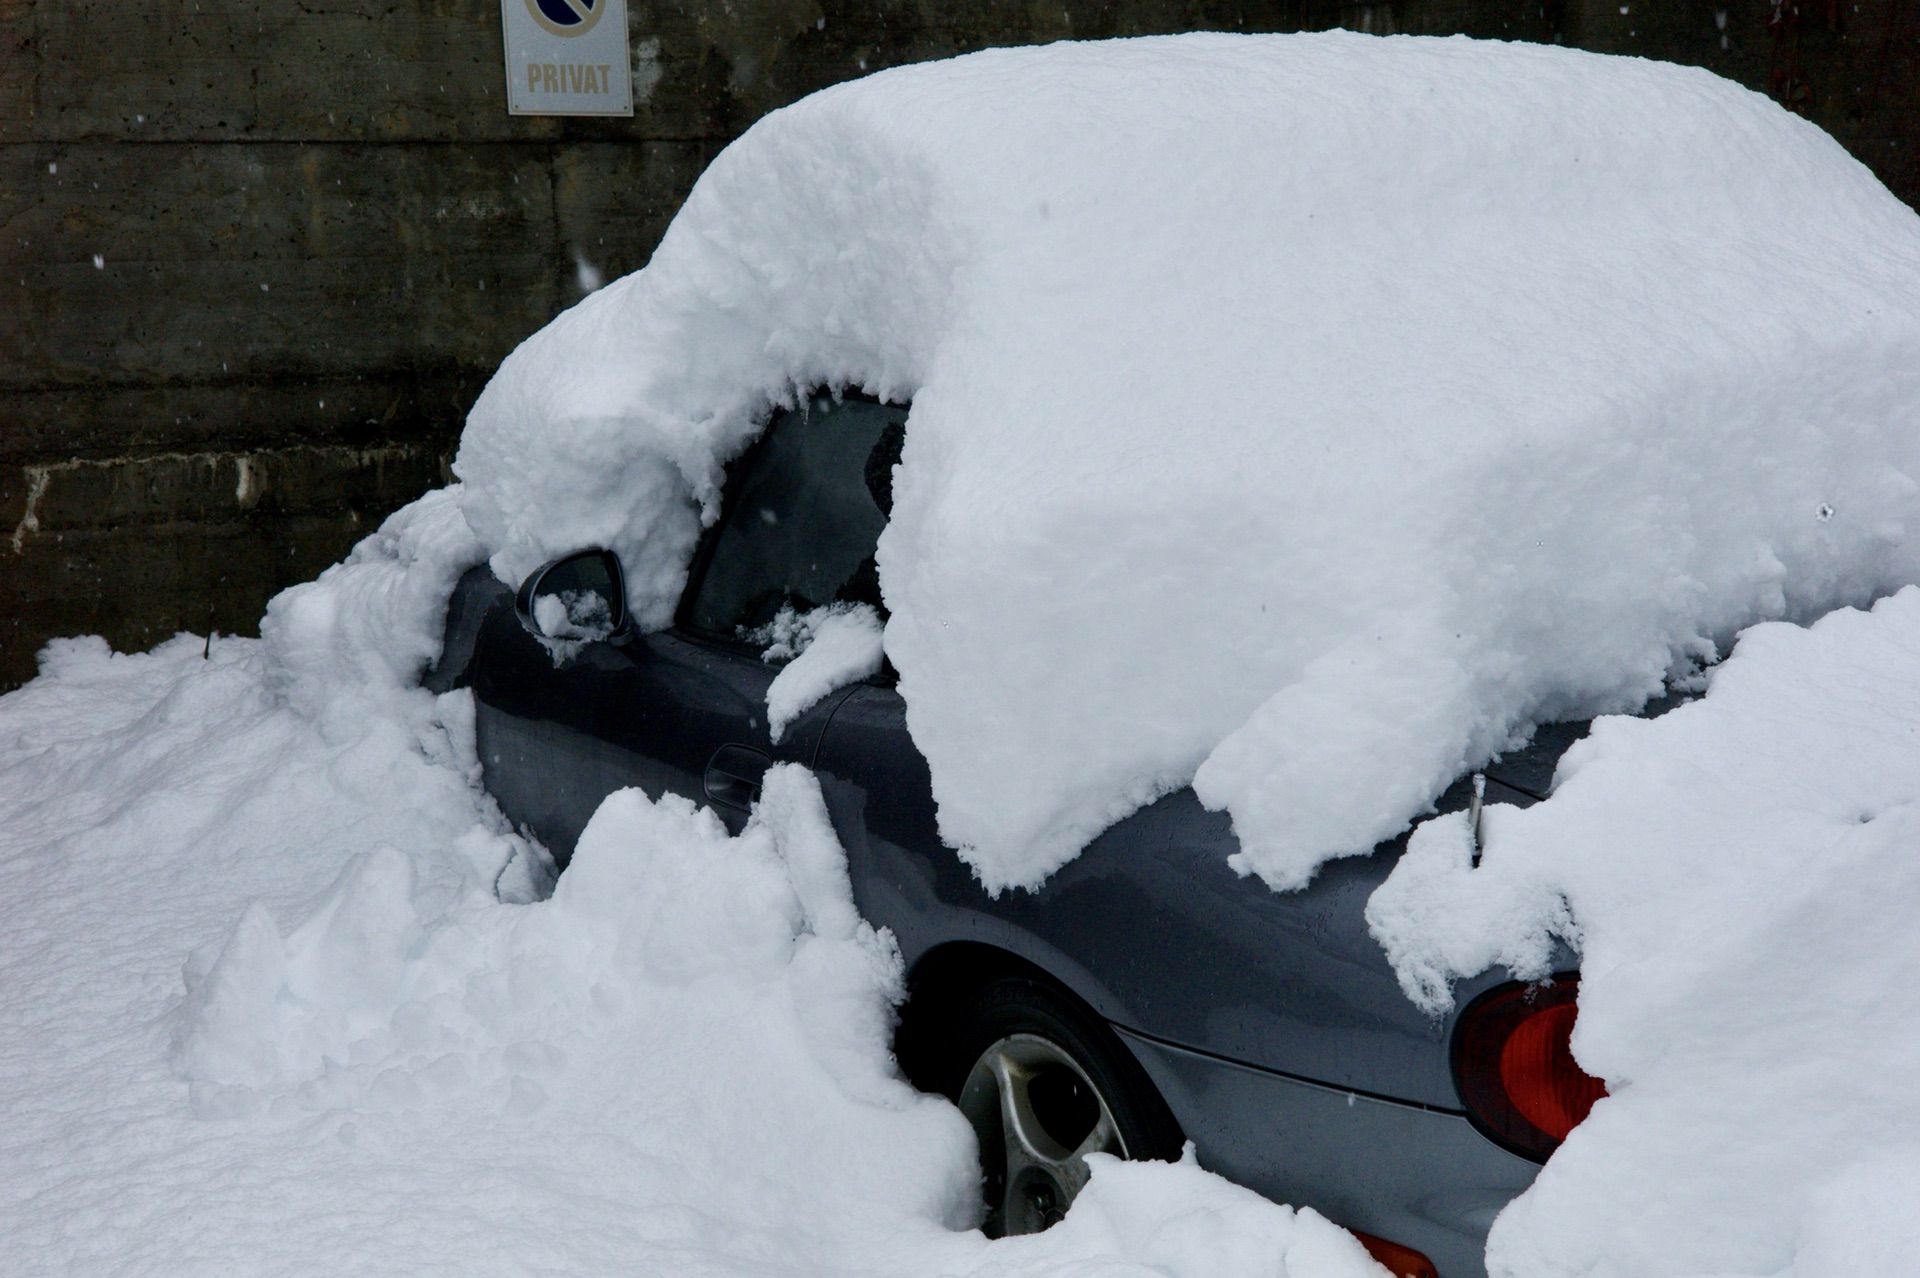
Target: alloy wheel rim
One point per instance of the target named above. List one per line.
(1037, 1116)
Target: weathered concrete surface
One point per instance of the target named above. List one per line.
(301, 233)
(154, 545)
(173, 261)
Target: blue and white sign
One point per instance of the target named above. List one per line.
(567, 57)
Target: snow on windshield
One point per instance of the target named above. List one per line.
(1740, 876)
(1299, 417)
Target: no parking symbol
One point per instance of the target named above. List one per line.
(567, 57)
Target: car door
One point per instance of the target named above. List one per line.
(683, 711)
(1149, 925)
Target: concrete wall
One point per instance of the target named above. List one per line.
(256, 259)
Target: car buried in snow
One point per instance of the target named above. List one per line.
(1240, 448)
(1144, 996)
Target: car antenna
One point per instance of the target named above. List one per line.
(1473, 814)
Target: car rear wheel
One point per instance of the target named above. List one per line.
(1045, 1083)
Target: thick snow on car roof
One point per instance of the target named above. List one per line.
(1301, 417)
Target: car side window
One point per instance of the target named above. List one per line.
(801, 528)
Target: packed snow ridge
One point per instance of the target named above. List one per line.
(1297, 417)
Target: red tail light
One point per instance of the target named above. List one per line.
(1401, 1262)
(1514, 1067)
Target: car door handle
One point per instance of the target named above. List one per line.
(734, 775)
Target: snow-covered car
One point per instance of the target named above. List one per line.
(1146, 994)
(1140, 481)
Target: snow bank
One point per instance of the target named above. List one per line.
(1740, 878)
(387, 1055)
(343, 649)
(668, 921)
(1296, 416)
(1180, 1222)
(739, 972)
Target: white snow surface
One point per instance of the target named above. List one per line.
(280, 999)
(1740, 876)
(1296, 416)
(827, 649)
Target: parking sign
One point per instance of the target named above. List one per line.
(567, 57)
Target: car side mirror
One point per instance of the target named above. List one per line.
(577, 598)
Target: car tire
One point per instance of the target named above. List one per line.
(1043, 1081)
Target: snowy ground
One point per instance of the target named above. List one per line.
(265, 1014)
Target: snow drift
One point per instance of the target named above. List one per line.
(386, 1055)
(1299, 417)
(1740, 877)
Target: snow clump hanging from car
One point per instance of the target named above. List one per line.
(1299, 417)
